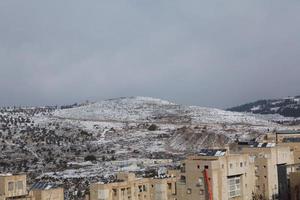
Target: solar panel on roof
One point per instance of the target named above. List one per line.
(259, 145)
(218, 153)
(43, 186)
(269, 145)
(212, 152)
(263, 145)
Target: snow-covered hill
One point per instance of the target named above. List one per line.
(287, 107)
(120, 134)
(146, 109)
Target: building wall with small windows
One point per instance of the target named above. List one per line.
(227, 176)
(129, 187)
(267, 160)
(13, 187)
(295, 185)
(288, 139)
(46, 194)
(294, 149)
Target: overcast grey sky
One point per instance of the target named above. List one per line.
(208, 53)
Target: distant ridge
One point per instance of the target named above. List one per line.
(148, 109)
(287, 107)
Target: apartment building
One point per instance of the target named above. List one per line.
(13, 187)
(215, 174)
(270, 162)
(294, 185)
(287, 138)
(46, 191)
(282, 135)
(128, 187)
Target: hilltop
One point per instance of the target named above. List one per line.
(147, 109)
(287, 107)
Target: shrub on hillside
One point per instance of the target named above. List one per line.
(90, 158)
(152, 127)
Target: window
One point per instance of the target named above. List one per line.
(200, 181)
(182, 179)
(169, 186)
(241, 164)
(10, 186)
(198, 166)
(230, 165)
(201, 192)
(140, 188)
(19, 185)
(234, 184)
(182, 169)
(189, 191)
(123, 191)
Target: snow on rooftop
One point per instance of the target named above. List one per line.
(7, 174)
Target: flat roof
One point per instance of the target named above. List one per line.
(8, 174)
(43, 186)
(263, 145)
(288, 132)
(291, 140)
(212, 152)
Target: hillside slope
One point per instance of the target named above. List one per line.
(146, 109)
(182, 128)
(287, 107)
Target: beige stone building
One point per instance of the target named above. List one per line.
(46, 191)
(215, 174)
(294, 185)
(288, 138)
(13, 187)
(129, 187)
(281, 136)
(270, 168)
(293, 176)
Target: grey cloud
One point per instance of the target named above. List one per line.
(215, 53)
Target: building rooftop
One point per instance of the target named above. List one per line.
(43, 186)
(263, 145)
(10, 174)
(288, 132)
(291, 140)
(5, 175)
(212, 152)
